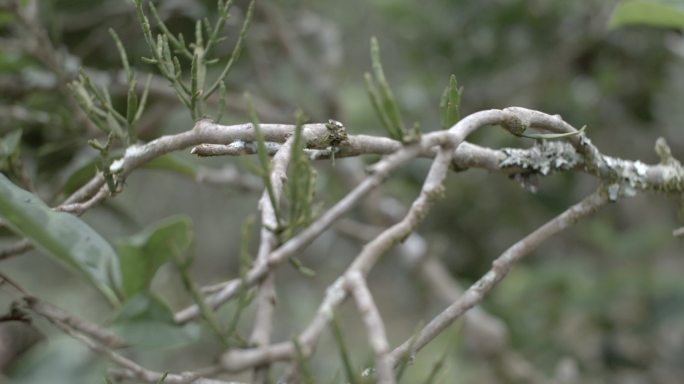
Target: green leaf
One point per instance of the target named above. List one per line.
(6, 19)
(666, 14)
(389, 104)
(343, 350)
(302, 364)
(143, 99)
(372, 90)
(63, 360)
(146, 321)
(80, 176)
(141, 255)
(452, 101)
(10, 143)
(236, 51)
(131, 109)
(173, 163)
(61, 235)
(301, 185)
(122, 54)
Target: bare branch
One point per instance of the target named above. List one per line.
(336, 293)
(266, 296)
(510, 118)
(374, 326)
(101, 340)
(500, 267)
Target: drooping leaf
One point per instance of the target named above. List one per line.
(173, 163)
(9, 149)
(140, 256)
(668, 14)
(73, 360)
(80, 176)
(9, 144)
(146, 321)
(61, 235)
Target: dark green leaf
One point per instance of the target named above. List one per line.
(61, 235)
(80, 176)
(141, 255)
(146, 321)
(173, 163)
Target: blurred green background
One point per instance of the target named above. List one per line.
(607, 295)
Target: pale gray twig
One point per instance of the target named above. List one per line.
(237, 360)
(57, 315)
(266, 294)
(375, 327)
(678, 232)
(102, 341)
(500, 267)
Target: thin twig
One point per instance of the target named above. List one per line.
(375, 327)
(101, 340)
(500, 267)
(337, 292)
(57, 315)
(16, 249)
(266, 295)
(514, 119)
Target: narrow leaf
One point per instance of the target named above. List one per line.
(236, 51)
(647, 12)
(143, 99)
(131, 109)
(178, 44)
(122, 53)
(343, 350)
(304, 371)
(375, 102)
(221, 102)
(388, 103)
(453, 101)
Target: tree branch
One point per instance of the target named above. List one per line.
(500, 268)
